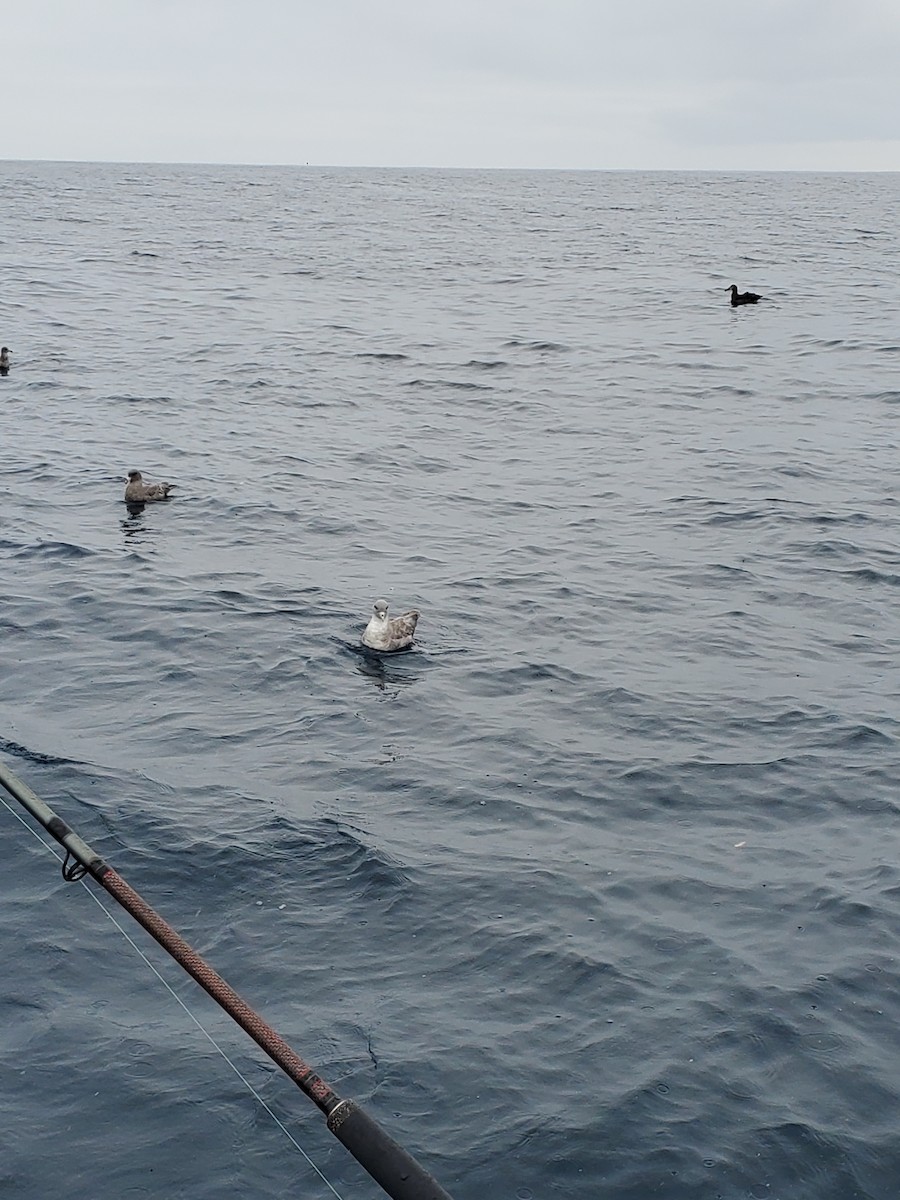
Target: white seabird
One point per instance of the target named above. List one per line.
(389, 633)
(136, 491)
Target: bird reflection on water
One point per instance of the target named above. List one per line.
(133, 526)
(383, 669)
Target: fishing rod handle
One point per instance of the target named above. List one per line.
(388, 1164)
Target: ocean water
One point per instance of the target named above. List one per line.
(594, 893)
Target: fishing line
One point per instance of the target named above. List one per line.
(128, 938)
(395, 1169)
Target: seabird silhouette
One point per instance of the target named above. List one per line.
(4, 360)
(136, 491)
(741, 297)
(389, 633)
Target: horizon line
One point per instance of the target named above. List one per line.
(161, 162)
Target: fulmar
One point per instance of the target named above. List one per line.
(136, 491)
(389, 633)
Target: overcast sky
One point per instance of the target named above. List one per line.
(708, 84)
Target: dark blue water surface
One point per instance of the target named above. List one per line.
(595, 893)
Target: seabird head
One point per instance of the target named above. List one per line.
(133, 476)
(381, 607)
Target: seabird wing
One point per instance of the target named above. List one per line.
(158, 491)
(403, 630)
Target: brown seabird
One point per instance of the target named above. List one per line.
(741, 297)
(136, 491)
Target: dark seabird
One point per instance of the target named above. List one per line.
(389, 633)
(136, 491)
(742, 297)
(4, 360)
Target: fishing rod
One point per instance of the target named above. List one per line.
(397, 1172)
